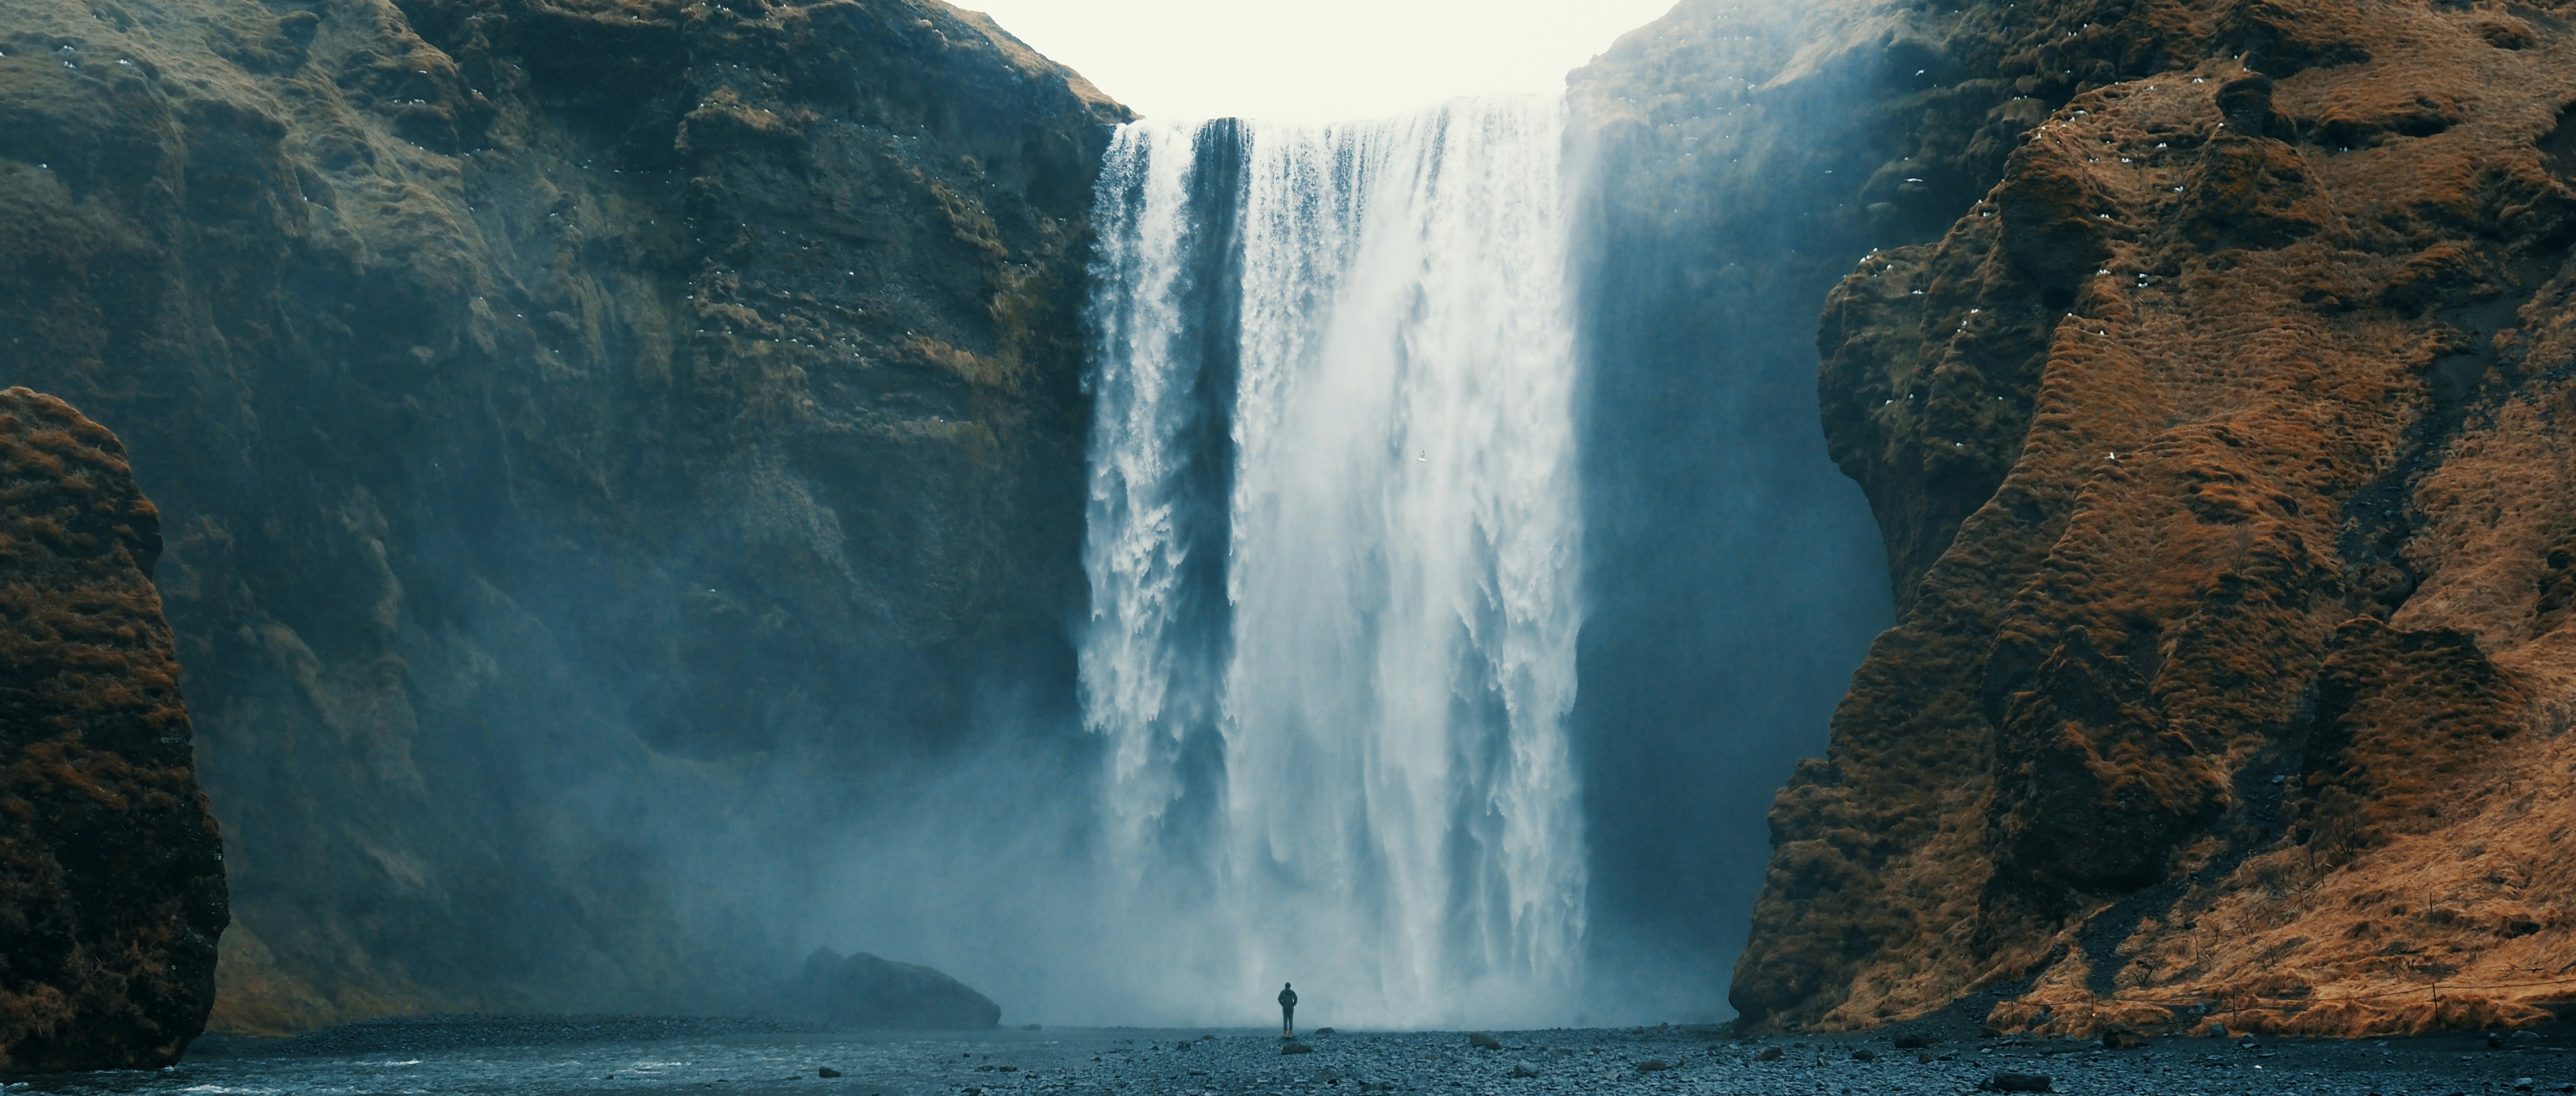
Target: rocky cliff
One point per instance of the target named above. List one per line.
(2217, 450)
(111, 869)
(570, 416)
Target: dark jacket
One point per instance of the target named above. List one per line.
(1287, 998)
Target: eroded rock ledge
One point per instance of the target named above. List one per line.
(2219, 456)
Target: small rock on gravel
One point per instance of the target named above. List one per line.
(1864, 1054)
(2123, 1037)
(1296, 1048)
(1912, 1042)
(1483, 1041)
(2009, 1081)
(1769, 1054)
(1653, 1065)
(827, 1071)
(1524, 1069)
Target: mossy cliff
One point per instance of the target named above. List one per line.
(2217, 449)
(111, 869)
(563, 412)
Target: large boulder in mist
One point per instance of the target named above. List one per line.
(864, 991)
(111, 869)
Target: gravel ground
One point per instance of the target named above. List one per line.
(661, 1055)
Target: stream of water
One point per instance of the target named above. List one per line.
(1333, 539)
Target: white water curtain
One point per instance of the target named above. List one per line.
(1386, 813)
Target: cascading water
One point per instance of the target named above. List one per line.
(1332, 552)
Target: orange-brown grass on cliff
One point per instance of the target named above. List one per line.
(111, 881)
(2243, 691)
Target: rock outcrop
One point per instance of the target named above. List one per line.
(570, 416)
(2219, 454)
(111, 868)
(866, 992)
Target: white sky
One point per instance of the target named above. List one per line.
(1316, 60)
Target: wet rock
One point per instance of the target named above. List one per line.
(1296, 1048)
(1323, 1031)
(2123, 1037)
(1911, 1041)
(111, 870)
(1864, 1054)
(2011, 1081)
(1482, 1041)
(791, 360)
(1768, 1054)
(864, 991)
(1524, 1069)
(1654, 1065)
(827, 1071)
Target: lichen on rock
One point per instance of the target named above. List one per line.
(111, 868)
(2217, 454)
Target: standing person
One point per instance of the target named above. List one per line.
(1287, 1012)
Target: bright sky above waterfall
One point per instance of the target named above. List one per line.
(1317, 60)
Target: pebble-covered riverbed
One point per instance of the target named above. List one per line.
(627, 1055)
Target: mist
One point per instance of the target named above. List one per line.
(1078, 849)
(1730, 579)
(1404, 564)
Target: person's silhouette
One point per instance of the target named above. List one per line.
(1287, 1011)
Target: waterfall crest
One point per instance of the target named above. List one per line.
(1332, 548)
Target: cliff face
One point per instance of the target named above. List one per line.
(111, 869)
(570, 414)
(1741, 156)
(2218, 454)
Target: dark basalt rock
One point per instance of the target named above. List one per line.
(864, 991)
(111, 869)
(553, 394)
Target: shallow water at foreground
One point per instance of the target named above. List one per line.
(1135, 1062)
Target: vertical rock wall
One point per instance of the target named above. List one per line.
(111, 869)
(2218, 454)
(598, 437)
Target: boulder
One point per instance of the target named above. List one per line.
(864, 991)
(111, 868)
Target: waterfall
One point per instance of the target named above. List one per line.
(1332, 548)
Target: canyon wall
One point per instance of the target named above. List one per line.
(2216, 448)
(111, 869)
(591, 434)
